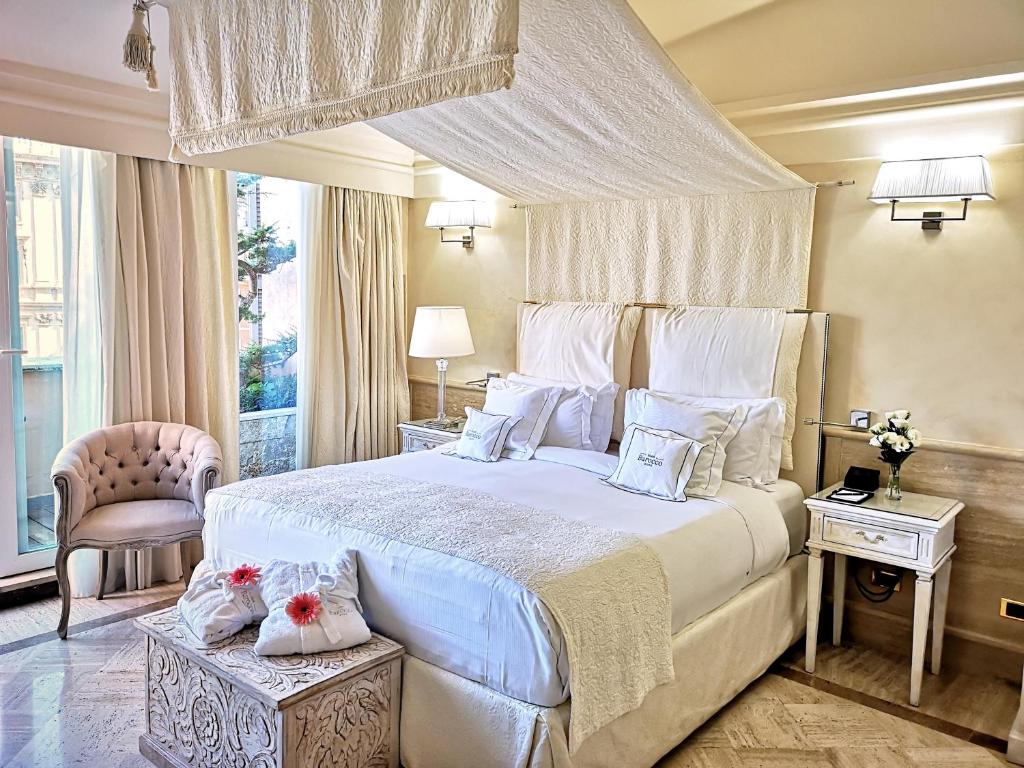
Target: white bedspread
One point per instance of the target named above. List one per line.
(470, 620)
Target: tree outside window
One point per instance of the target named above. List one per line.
(267, 293)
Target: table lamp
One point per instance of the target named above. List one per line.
(441, 332)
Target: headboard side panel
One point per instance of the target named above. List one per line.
(810, 389)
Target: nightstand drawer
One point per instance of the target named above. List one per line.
(870, 538)
(413, 443)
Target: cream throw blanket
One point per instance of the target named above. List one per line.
(607, 590)
(249, 71)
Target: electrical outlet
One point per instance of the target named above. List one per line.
(860, 418)
(1011, 609)
(886, 577)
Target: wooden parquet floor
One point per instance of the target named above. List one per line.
(80, 703)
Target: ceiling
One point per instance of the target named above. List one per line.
(83, 37)
(808, 80)
(675, 19)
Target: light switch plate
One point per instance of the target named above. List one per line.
(860, 418)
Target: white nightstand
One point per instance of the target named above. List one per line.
(914, 533)
(417, 436)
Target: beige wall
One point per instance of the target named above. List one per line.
(487, 280)
(929, 321)
(806, 46)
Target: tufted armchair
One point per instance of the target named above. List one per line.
(130, 486)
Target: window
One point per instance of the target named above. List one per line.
(31, 330)
(268, 300)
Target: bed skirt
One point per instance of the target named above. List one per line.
(450, 721)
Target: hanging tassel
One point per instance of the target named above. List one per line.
(138, 49)
(151, 82)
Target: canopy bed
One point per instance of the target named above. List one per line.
(550, 618)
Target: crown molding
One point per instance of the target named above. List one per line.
(982, 105)
(57, 106)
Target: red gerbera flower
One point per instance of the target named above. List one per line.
(303, 608)
(244, 575)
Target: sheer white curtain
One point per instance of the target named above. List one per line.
(89, 228)
(353, 386)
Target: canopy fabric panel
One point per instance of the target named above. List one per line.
(249, 71)
(597, 112)
(742, 249)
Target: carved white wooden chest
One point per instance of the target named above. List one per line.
(227, 706)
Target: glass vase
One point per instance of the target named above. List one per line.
(893, 490)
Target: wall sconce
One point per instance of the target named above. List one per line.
(936, 180)
(458, 213)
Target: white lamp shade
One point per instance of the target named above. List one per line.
(936, 180)
(440, 332)
(458, 213)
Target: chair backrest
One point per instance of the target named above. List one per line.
(137, 461)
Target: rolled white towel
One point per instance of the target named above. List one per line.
(214, 608)
(312, 607)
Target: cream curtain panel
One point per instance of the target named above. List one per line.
(353, 385)
(175, 346)
(150, 318)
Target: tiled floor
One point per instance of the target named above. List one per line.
(19, 623)
(80, 702)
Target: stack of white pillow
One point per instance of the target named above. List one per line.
(739, 440)
(527, 412)
(674, 446)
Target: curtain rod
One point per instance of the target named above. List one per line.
(654, 305)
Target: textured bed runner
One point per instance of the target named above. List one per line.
(607, 590)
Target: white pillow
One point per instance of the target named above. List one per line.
(338, 622)
(581, 342)
(483, 435)
(713, 427)
(655, 462)
(533, 406)
(215, 606)
(715, 351)
(582, 417)
(755, 453)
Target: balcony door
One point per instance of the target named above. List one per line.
(31, 352)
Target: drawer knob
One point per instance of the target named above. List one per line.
(876, 539)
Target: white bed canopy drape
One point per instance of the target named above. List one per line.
(250, 71)
(636, 187)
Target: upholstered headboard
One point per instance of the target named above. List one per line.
(810, 384)
(810, 391)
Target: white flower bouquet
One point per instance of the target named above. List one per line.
(897, 438)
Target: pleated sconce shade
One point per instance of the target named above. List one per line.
(935, 180)
(458, 213)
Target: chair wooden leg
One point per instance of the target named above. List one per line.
(103, 574)
(65, 591)
(186, 562)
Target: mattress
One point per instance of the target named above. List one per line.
(466, 618)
